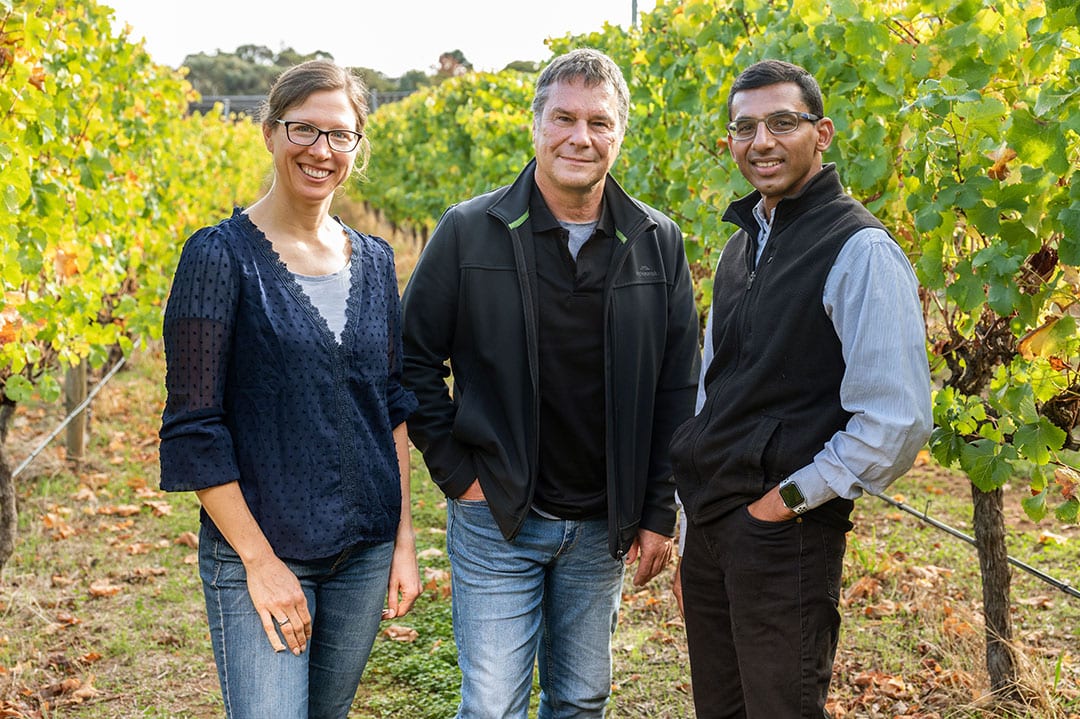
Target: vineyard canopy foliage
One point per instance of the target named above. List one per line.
(104, 176)
(956, 124)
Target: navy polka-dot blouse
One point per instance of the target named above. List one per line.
(261, 391)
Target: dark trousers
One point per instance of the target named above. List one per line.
(761, 616)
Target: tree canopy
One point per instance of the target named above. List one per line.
(250, 70)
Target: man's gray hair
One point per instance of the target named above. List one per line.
(591, 66)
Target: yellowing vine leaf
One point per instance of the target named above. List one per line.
(1002, 157)
(1068, 479)
(1040, 341)
(10, 323)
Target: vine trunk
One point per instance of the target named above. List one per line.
(989, 521)
(8, 514)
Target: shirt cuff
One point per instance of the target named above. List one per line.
(813, 486)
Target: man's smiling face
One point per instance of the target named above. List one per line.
(778, 165)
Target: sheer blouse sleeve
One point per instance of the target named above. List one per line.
(196, 445)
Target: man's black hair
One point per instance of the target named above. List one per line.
(772, 72)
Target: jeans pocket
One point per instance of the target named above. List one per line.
(469, 524)
(759, 537)
(764, 524)
(219, 564)
(471, 503)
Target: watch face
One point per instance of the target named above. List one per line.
(791, 495)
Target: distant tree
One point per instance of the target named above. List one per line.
(256, 54)
(375, 80)
(251, 69)
(248, 71)
(530, 66)
(452, 64)
(228, 74)
(414, 80)
(287, 57)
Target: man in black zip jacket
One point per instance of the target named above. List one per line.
(565, 310)
(816, 389)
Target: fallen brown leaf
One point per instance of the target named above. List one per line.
(85, 494)
(957, 627)
(401, 634)
(160, 508)
(863, 588)
(438, 581)
(1042, 601)
(188, 539)
(60, 529)
(123, 510)
(104, 588)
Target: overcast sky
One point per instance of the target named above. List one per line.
(391, 36)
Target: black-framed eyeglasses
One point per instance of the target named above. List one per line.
(779, 123)
(301, 133)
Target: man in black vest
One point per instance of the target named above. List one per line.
(815, 389)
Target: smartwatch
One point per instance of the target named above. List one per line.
(793, 496)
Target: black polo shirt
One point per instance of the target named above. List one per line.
(572, 480)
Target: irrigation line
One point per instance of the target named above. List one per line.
(1057, 583)
(67, 420)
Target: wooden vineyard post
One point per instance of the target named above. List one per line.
(74, 395)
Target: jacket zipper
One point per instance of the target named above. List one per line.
(712, 399)
(751, 265)
(614, 528)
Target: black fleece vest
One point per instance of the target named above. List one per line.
(773, 387)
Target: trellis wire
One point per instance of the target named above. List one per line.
(67, 420)
(1057, 583)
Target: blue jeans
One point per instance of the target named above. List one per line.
(345, 595)
(550, 598)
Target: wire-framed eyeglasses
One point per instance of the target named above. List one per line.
(779, 123)
(304, 134)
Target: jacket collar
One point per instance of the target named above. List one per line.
(627, 215)
(542, 219)
(820, 188)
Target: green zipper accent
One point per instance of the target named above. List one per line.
(622, 238)
(519, 221)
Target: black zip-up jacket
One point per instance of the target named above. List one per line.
(472, 300)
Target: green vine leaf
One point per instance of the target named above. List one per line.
(1037, 441)
(18, 388)
(1035, 506)
(1068, 512)
(988, 464)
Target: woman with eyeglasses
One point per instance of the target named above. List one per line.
(286, 416)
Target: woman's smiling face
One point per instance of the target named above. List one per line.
(314, 171)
